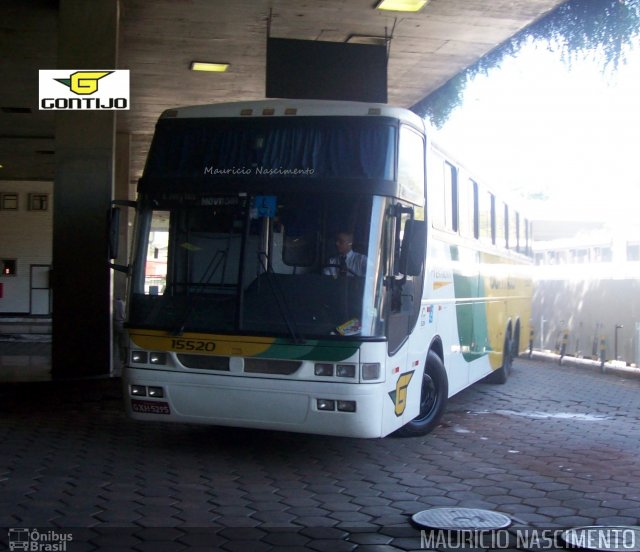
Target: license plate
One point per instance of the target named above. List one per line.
(150, 407)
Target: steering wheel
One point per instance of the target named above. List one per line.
(338, 269)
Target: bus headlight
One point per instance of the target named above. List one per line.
(346, 406)
(326, 404)
(346, 371)
(158, 358)
(371, 371)
(323, 369)
(139, 357)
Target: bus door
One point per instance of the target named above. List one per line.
(403, 286)
(403, 294)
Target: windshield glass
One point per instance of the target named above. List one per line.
(284, 265)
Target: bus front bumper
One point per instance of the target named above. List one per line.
(327, 408)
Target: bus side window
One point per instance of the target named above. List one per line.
(443, 186)
(451, 197)
(411, 166)
(435, 190)
(501, 224)
(467, 220)
(485, 216)
(512, 237)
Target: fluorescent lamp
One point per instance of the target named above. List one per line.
(367, 39)
(401, 5)
(206, 66)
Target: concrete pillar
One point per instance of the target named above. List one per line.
(85, 144)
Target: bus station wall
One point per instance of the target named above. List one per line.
(590, 309)
(25, 236)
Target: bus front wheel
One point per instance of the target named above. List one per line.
(433, 399)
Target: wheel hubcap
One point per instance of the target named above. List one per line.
(429, 396)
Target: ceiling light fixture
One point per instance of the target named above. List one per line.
(206, 66)
(401, 5)
(367, 39)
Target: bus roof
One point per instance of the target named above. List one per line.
(305, 108)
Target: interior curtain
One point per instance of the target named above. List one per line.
(338, 150)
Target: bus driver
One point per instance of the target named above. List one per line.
(347, 262)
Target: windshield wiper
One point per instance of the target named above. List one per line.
(219, 257)
(281, 302)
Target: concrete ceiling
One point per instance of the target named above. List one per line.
(159, 39)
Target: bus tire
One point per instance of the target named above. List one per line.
(433, 399)
(515, 347)
(501, 375)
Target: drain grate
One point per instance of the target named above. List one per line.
(461, 519)
(603, 538)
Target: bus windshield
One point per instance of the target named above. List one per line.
(260, 264)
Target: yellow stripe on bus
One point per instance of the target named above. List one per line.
(224, 345)
(441, 284)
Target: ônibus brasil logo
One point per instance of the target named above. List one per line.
(35, 540)
(68, 89)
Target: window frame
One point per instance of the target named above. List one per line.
(3, 268)
(38, 196)
(4, 196)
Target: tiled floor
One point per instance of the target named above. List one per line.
(555, 447)
(25, 349)
(25, 360)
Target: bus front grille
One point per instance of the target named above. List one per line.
(204, 362)
(247, 365)
(270, 366)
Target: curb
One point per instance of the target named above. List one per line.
(609, 367)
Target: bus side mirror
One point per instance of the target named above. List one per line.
(113, 236)
(114, 232)
(413, 249)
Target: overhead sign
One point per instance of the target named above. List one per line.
(320, 70)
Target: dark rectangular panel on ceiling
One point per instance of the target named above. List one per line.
(313, 69)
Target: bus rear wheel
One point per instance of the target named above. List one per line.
(433, 399)
(501, 375)
(515, 346)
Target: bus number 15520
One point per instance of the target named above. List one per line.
(193, 345)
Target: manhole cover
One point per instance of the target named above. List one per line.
(461, 519)
(604, 539)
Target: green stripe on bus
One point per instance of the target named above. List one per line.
(311, 350)
(471, 315)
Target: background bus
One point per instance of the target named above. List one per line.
(235, 316)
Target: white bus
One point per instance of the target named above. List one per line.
(238, 313)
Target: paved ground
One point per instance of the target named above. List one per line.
(554, 447)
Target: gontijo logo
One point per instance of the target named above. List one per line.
(84, 89)
(84, 82)
(399, 396)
